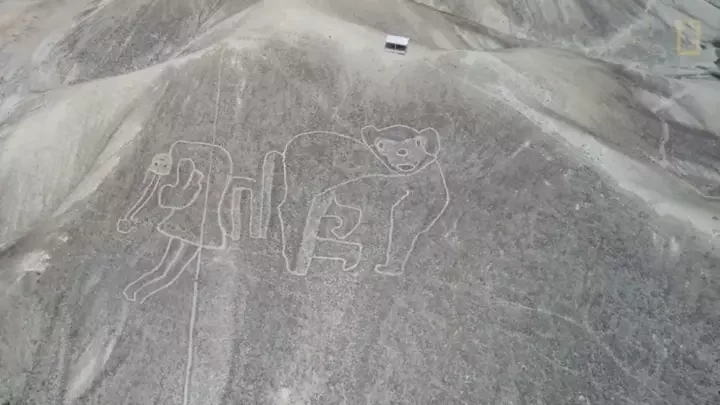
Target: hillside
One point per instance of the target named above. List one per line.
(251, 202)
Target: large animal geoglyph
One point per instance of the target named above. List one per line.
(362, 202)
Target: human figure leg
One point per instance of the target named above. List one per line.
(178, 255)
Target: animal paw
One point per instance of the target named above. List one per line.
(351, 265)
(300, 268)
(388, 270)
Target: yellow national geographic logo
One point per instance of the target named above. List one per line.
(688, 34)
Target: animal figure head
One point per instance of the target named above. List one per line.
(161, 164)
(403, 149)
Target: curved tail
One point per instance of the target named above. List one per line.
(249, 202)
(272, 167)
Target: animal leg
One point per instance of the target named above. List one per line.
(293, 215)
(347, 218)
(406, 225)
(301, 222)
(347, 252)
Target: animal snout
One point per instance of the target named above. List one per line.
(402, 152)
(406, 167)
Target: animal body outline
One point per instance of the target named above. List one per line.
(306, 251)
(180, 252)
(260, 210)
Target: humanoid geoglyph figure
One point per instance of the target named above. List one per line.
(204, 206)
(364, 202)
(193, 198)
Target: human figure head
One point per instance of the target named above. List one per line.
(161, 164)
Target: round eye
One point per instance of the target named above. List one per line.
(379, 144)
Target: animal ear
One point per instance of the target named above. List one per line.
(369, 134)
(430, 141)
(380, 144)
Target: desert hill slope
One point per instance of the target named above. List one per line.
(554, 242)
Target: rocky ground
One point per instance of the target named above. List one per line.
(251, 202)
